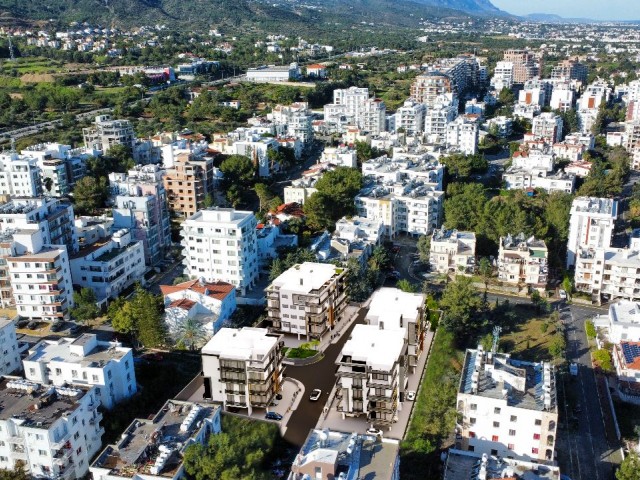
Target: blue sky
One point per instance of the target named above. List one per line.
(596, 9)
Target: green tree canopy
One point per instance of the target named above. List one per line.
(141, 317)
(85, 307)
(90, 194)
(461, 304)
(629, 468)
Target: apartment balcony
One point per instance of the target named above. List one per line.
(384, 397)
(388, 407)
(233, 380)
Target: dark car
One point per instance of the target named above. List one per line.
(22, 323)
(32, 325)
(75, 329)
(273, 416)
(57, 326)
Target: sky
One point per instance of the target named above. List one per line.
(595, 9)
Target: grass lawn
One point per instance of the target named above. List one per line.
(300, 352)
(525, 339)
(110, 90)
(434, 412)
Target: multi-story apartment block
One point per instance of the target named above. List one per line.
(533, 93)
(453, 251)
(220, 244)
(410, 117)
(353, 106)
(242, 368)
(20, 176)
(462, 464)
(10, 359)
(591, 225)
(525, 66)
(508, 407)
(41, 282)
(412, 208)
(563, 97)
(517, 178)
(188, 183)
(142, 452)
(393, 309)
(404, 167)
(548, 126)
(623, 321)
(631, 141)
(462, 135)
(427, 88)
(85, 360)
(438, 117)
(503, 76)
(570, 69)
(300, 190)
(341, 156)
(308, 299)
(55, 181)
(110, 266)
(52, 431)
(372, 374)
(523, 261)
(589, 103)
(296, 118)
(107, 132)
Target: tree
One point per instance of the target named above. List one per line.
(602, 358)
(380, 258)
(461, 165)
(18, 473)
(460, 303)
(47, 182)
(629, 468)
(318, 209)
(264, 195)
(191, 333)
(85, 307)
(485, 269)
(239, 173)
(558, 345)
(339, 187)
(140, 317)
(424, 247)
(120, 158)
(90, 194)
(406, 286)
(208, 201)
(538, 302)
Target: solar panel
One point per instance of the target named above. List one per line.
(630, 352)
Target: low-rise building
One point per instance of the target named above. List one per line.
(271, 241)
(516, 178)
(273, 73)
(372, 374)
(153, 448)
(626, 358)
(508, 407)
(308, 299)
(523, 260)
(52, 431)
(10, 358)
(452, 251)
(84, 361)
(463, 465)
(242, 368)
(623, 322)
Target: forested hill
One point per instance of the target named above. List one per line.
(278, 14)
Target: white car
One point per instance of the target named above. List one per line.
(562, 294)
(374, 431)
(315, 395)
(411, 395)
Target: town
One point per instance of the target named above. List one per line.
(276, 257)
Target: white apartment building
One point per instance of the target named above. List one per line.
(300, 190)
(502, 124)
(548, 126)
(508, 407)
(308, 299)
(591, 225)
(522, 179)
(410, 117)
(296, 119)
(372, 374)
(10, 358)
(53, 432)
(402, 167)
(220, 244)
(41, 282)
(411, 208)
(589, 103)
(502, 76)
(462, 464)
(340, 156)
(523, 260)
(452, 251)
(353, 106)
(355, 229)
(85, 360)
(563, 98)
(533, 93)
(623, 322)
(438, 118)
(242, 368)
(107, 132)
(20, 176)
(143, 454)
(462, 135)
(393, 309)
(108, 267)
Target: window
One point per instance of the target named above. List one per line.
(514, 418)
(494, 438)
(472, 421)
(472, 434)
(512, 433)
(538, 422)
(536, 436)
(473, 406)
(534, 451)
(42, 453)
(511, 446)
(496, 424)
(496, 411)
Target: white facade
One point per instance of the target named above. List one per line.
(523, 261)
(624, 321)
(272, 73)
(10, 358)
(462, 135)
(110, 266)
(56, 439)
(356, 229)
(521, 179)
(410, 117)
(243, 367)
(107, 132)
(502, 76)
(299, 191)
(84, 361)
(220, 244)
(508, 407)
(353, 106)
(438, 117)
(340, 156)
(563, 98)
(591, 225)
(405, 167)
(20, 176)
(453, 251)
(548, 126)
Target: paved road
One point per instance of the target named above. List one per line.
(319, 375)
(167, 277)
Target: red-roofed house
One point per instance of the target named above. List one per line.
(626, 357)
(212, 302)
(317, 70)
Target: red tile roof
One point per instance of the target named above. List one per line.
(183, 303)
(218, 290)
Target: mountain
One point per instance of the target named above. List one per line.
(266, 13)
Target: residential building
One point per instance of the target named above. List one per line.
(503, 125)
(372, 374)
(508, 407)
(463, 465)
(273, 73)
(211, 302)
(188, 183)
(589, 103)
(220, 244)
(525, 66)
(10, 359)
(623, 321)
(626, 358)
(300, 190)
(410, 117)
(570, 69)
(110, 266)
(327, 454)
(242, 368)
(503, 76)
(106, 132)
(462, 135)
(316, 70)
(362, 229)
(271, 241)
(41, 283)
(405, 167)
(393, 309)
(427, 88)
(74, 159)
(438, 117)
(563, 98)
(452, 251)
(153, 448)
(52, 431)
(20, 176)
(523, 261)
(85, 360)
(517, 178)
(591, 225)
(308, 299)
(548, 126)
(341, 156)
(296, 120)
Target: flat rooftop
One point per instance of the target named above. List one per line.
(61, 351)
(4, 321)
(452, 236)
(625, 312)
(159, 442)
(462, 465)
(18, 398)
(389, 304)
(377, 348)
(241, 344)
(307, 277)
(594, 205)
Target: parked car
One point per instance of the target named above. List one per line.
(75, 329)
(411, 395)
(562, 294)
(316, 393)
(33, 324)
(374, 431)
(57, 326)
(22, 323)
(273, 416)
(573, 369)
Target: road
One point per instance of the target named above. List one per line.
(167, 278)
(319, 375)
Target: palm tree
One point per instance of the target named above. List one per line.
(191, 333)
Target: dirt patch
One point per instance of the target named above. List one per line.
(16, 96)
(37, 78)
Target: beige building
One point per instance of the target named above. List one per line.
(188, 183)
(453, 251)
(523, 261)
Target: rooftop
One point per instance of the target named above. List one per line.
(377, 348)
(4, 321)
(443, 235)
(247, 343)
(217, 290)
(220, 215)
(156, 446)
(306, 278)
(625, 312)
(462, 465)
(18, 400)
(520, 242)
(601, 206)
(85, 350)
(392, 306)
(631, 354)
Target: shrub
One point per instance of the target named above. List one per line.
(602, 358)
(590, 329)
